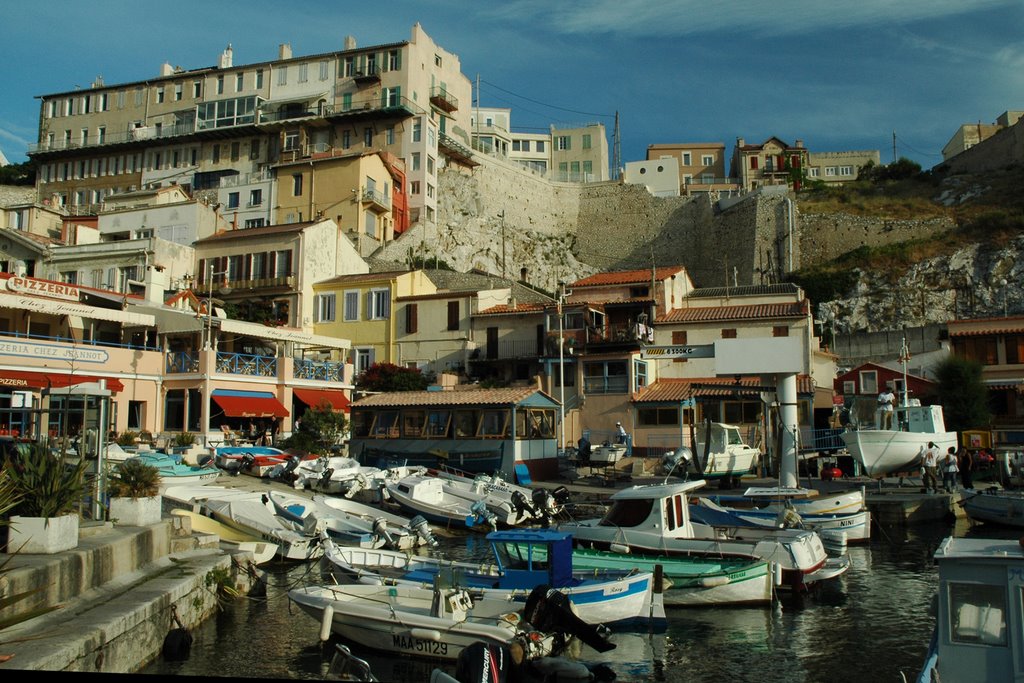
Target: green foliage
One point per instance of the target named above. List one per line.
(127, 438)
(254, 311)
(47, 486)
(319, 429)
(391, 377)
(996, 223)
(9, 496)
(133, 478)
(18, 174)
(962, 393)
(184, 439)
(823, 284)
(902, 169)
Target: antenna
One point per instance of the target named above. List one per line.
(616, 148)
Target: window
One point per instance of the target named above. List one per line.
(101, 135)
(753, 163)
(389, 135)
(605, 377)
(239, 82)
(255, 222)
(563, 143)
(639, 375)
(830, 171)
(349, 67)
(417, 130)
(197, 89)
(303, 73)
(254, 149)
(160, 95)
(814, 172)
(586, 141)
(657, 417)
(414, 187)
(741, 412)
(977, 613)
(846, 170)
(215, 154)
(411, 318)
(453, 315)
(392, 97)
(282, 75)
(364, 359)
(437, 60)
(430, 191)
(780, 331)
(220, 85)
(1014, 349)
(394, 62)
(588, 167)
(729, 333)
(707, 159)
(297, 185)
(177, 91)
(849, 387)
(291, 140)
(415, 161)
(430, 165)
(259, 79)
(233, 200)
(255, 197)
(368, 136)
(981, 349)
(236, 150)
(351, 312)
(868, 382)
(324, 308)
(324, 70)
(378, 304)
(687, 159)
(346, 139)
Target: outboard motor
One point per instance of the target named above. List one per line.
(561, 495)
(380, 529)
(522, 506)
(482, 661)
(325, 477)
(480, 513)
(422, 529)
(287, 473)
(355, 485)
(550, 611)
(543, 506)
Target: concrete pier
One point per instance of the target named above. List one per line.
(107, 605)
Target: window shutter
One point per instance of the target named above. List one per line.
(410, 318)
(369, 305)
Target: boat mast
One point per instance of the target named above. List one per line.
(904, 357)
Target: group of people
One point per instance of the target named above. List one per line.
(950, 464)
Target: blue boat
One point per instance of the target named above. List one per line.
(173, 472)
(523, 560)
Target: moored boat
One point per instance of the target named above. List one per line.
(314, 516)
(882, 451)
(995, 506)
(425, 495)
(231, 539)
(252, 515)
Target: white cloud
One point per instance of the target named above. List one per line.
(688, 17)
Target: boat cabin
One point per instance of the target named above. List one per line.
(521, 555)
(663, 508)
(980, 626)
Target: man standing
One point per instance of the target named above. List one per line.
(931, 464)
(966, 463)
(885, 402)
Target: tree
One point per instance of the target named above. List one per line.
(18, 174)
(320, 428)
(391, 377)
(962, 394)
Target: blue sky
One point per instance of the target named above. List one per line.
(838, 75)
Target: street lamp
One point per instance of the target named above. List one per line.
(561, 365)
(208, 344)
(1003, 283)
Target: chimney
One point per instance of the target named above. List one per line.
(284, 51)
(350, 42)
(98, 83)
(799, 143)
(226, 58)
(166, 69)
(740, 142)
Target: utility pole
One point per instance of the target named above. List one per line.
(894, 147)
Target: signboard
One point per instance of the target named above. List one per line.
(54, 352)
(56, 290)
(677, 351)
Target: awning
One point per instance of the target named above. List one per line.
(23, 379)
(55, 307)
(249, 403)
(314, 397)
(287, 334)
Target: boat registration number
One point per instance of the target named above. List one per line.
(427, 647)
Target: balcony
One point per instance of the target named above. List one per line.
(180, 362)
(246, 364)
(263, 283)
(368, 74)
(376, 199)
(456, 151)
(443, 100)
(109, 139)
(508, 349)
(372, 107)
(327, 371)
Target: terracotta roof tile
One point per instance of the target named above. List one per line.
(627, 277)
(247, 233)
(727, 313)
(506, 309)
(673, 390)
(464, 397)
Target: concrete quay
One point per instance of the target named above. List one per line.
(107, 605)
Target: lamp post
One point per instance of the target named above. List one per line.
(561, 367)
(1003, 283)
(209, 305)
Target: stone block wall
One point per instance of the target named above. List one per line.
(825, 236)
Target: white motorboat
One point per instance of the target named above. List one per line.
(417, 526)
(727, 455)
(425, 495)
(528, 505)
(978, 635)
(882, 451)
(522, 560)
(314, 516)
(335, 475)
(996, 506)
(231, 539)
(655, 519)
(253, 515)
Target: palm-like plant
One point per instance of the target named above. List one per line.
(45, 485)
(134, 479)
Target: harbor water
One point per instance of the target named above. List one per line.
(873, 623)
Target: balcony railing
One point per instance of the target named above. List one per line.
(111, 138)
(512, 348)
(246, 364)
(371, 105)
(606, 385)
(370, 72)
(442, 99)
(262, 283)
(377, 197)
(246, 178)
(327, 371)
(181, 362)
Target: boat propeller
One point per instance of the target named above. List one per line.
(481, 514)
(355, 485)
(522, 506)
(380, 528)
(419, 525)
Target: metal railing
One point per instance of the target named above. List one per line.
(78, 342)
(181, 362)
(377, 197)
(606, 385)
(443, 99)
(246, 364)
(328, 371)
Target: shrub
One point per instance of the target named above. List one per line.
(46, 485)
(127, 438)
(133, 478)
(184, 440)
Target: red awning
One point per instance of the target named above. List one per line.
(23, 379)
(314, 397)
(251, 406)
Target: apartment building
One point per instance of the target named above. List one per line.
(836, 168)
(701, 165)
(970, 134)
(579, 154)
(773, 162)
(221, 129)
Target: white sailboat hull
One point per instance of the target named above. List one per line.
(881, 451)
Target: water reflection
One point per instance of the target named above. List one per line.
(874, 619)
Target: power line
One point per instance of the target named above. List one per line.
(902, 142)
(545, 104)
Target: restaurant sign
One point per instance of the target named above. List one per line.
(55, 290)
(52, 352)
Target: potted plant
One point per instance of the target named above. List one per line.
(45, 519)
(134, 489)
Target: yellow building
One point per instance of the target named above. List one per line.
(361, 308)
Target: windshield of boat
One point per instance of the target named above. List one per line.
(512, 555)
(631, 512)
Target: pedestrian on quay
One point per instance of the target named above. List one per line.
(885, 403)
(949, 470)
(930, 464)
(966, 463)
(620, 433)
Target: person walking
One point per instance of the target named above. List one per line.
(949, 470)
(930, 461)
(620, 433)
(966, 464)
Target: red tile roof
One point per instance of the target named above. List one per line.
(506, 309)
(463, 397)
(726, 313)
(628, 277)
(248, 233)
(673, 390)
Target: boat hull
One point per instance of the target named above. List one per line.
(1005, 508)
(881, 451)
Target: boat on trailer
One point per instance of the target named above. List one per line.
(883, 451)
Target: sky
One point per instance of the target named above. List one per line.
(838, 75)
